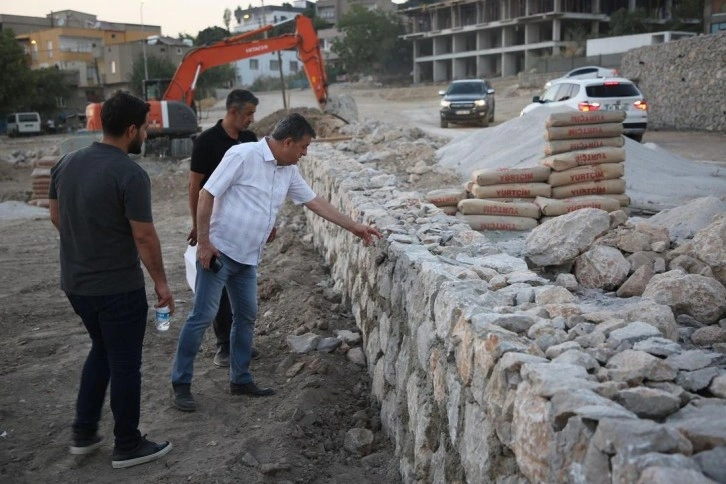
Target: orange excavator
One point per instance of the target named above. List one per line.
(174, 116)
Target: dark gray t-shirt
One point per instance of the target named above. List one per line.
(99, 189)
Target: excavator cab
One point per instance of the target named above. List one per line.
(154, 89)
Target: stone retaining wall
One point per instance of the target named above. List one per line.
(449, 326)
(683, 82)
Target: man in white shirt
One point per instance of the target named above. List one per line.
(235, 215)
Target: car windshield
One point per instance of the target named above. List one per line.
(466, 88)
(612, 90)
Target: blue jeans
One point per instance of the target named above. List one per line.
(241, 283)
(116, 325)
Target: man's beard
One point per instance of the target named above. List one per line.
(136, 145)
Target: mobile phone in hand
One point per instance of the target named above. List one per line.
(215, 264)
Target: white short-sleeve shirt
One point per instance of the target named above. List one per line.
(249, 188)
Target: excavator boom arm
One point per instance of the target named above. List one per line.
(198, 60)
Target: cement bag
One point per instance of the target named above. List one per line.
(448, 209)
(550, 206)
(571, 159)
(622, 198)
(190, 262)
(446, 197)
(564, 145)
(511, 175)
(581, 174)
(492, 222)
(594, 117)
(589, 188)
(513, 190)
(605, 130)
(469, 186)
(510, 200)
(474, 206)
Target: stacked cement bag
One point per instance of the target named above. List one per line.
(446, 199)
(41, 181)
(586, 153)
(503, 198)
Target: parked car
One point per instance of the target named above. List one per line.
(587, 72)
(467, 101)
(610, 94)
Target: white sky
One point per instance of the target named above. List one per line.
(174, 16)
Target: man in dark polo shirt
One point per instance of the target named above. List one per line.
(209, 149)
(100, 202)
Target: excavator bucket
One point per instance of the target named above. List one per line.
(342, 107)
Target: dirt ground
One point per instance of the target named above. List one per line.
(297, 435)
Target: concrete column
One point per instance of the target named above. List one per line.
(596, 6)
(631, 5)
(558, 6)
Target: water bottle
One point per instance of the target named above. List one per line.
(163, 318)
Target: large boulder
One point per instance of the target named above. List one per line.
(702, 298)
(602, 267)
(684, 221)
(562, 239)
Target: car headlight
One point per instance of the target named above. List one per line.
(480, 102)
(445, 104)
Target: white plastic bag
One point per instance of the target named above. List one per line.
(190, 261)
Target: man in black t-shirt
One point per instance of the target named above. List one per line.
(209, 148)
(100, 202)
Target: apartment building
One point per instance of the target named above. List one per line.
(714, 16)
(332, 10)
(98, 55)
(490, 38)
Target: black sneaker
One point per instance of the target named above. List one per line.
(181, 398)
(85, 445)
(145, 452)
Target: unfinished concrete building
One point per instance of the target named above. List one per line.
(460, 39)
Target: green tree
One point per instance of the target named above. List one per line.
(227, 17)
(15, 85)
(211, 35)
(49, 85)
(159, 68)
(623, 22)
(371, 43)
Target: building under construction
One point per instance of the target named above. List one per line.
(490, 38)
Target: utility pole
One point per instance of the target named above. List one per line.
(143, 45)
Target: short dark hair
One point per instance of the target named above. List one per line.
(237, 98)
(121, 111)
(293, 126)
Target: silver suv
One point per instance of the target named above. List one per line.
(609, 94)
(467, 101)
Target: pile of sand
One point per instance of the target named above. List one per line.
(656, 178)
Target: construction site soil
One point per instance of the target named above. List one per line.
(298, 435)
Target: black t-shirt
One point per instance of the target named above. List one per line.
(210, 147)
(99, 189)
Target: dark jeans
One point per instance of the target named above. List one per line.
(116, 325)
(223, 322)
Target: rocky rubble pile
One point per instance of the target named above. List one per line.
(489, 369)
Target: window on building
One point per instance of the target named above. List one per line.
(254, 64)
(715, 28)
(178, 51)
(113, 67)
(274, 65)
(293, 66)
(91, 72)
(328, 12)
(49, 48)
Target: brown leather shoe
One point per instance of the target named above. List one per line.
(250, 389)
